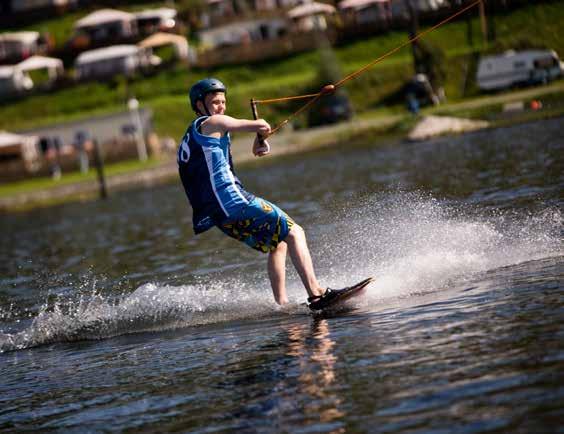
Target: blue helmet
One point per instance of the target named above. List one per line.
(199, 90)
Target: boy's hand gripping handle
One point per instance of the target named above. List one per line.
(255, 117)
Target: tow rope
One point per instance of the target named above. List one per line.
(331, 88)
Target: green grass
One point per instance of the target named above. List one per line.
(166, 93)
(553, 106)
(375, 126)
(59, 28)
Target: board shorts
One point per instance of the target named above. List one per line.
(260, 225)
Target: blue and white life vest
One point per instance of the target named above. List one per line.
(205, 166)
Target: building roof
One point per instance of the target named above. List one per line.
(158, 39)
(359, 4)
(38, 62)
(26, 37)
(7, 71)
(311, 9)
(161, 38)
(102, 16)
(106, 53)
(10, 139)
(159, 12)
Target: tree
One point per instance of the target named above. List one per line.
(191, 11)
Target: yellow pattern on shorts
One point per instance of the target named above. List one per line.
(266, 207)
(263, 229)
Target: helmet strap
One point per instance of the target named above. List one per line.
(206, 108)
(206, 111)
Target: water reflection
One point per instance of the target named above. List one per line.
(483, 354)
(312, 347)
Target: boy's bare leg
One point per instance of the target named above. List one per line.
(277, 272)
(301, 259)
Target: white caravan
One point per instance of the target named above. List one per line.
(518, 68)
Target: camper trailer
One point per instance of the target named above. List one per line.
(117, 59)
(518, 68)
(14, 80)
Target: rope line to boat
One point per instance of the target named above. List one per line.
(331, 88)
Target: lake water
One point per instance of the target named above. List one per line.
(113, 316)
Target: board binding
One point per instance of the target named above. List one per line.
(334, 297)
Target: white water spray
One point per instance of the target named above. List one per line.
(411, 243)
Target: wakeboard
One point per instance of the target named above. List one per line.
(336, 298)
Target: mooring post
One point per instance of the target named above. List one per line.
(99, 163)
(484, 23)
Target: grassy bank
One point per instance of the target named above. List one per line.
(36, 184)
(166, 92)
(372, 127)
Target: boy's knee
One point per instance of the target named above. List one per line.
(296, 231)
(280, 249)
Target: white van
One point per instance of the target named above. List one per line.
(518, 68)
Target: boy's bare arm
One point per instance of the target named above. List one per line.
(217, 125)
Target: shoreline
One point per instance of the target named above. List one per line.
(365, 127)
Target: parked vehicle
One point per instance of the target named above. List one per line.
(330, 109)
(13, 81)
(109, 61)
(17, 46)
(518, 68)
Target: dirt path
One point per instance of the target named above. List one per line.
(518, 95)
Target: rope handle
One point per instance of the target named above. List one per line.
(255, 117)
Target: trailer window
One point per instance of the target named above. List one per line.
(519, 64)
(545, 62)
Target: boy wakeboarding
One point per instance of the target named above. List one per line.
(218, 198)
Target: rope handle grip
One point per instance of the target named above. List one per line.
(255, 117)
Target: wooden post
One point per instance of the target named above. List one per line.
(484, 23)
(469, 31)
(412, 32)
(99, 163)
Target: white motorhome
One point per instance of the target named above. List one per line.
(518, 68)
(109, 61)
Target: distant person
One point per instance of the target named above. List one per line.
(219, 199)
(412, 103)
(419, 92)
(50, 148)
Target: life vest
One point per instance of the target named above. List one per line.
(205, 166)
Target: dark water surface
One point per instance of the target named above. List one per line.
(114, 317)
